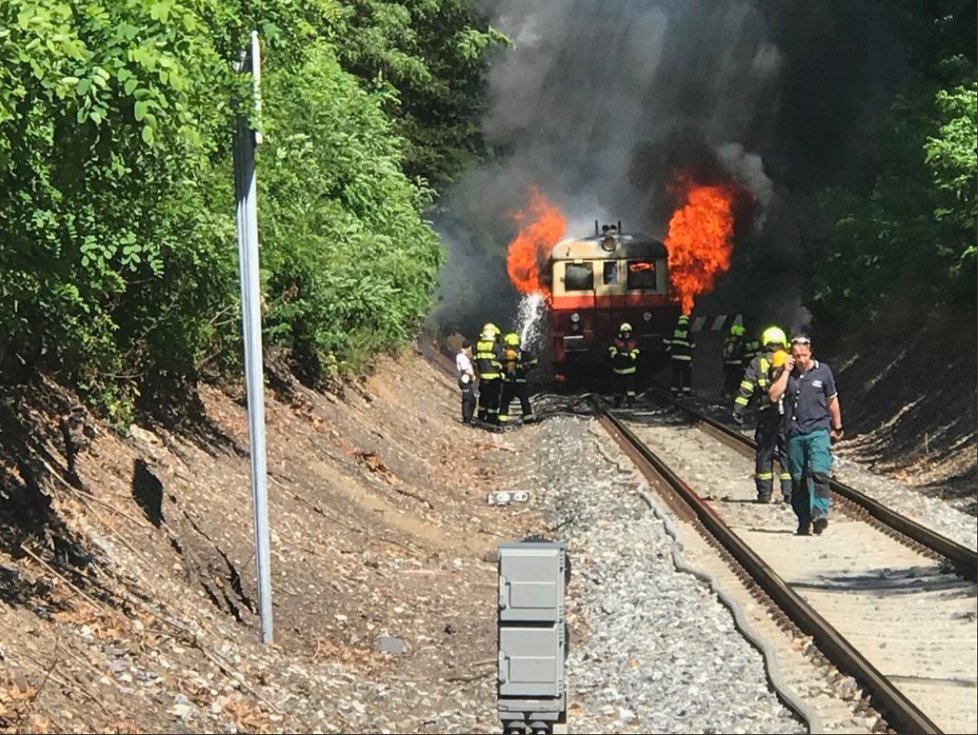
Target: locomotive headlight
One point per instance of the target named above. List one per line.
(647, 316)
(575, 317)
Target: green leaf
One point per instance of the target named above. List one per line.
(148, 135)
(83, 86)
(140, 109)
(130, 85)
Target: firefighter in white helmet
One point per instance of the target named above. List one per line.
(624, 364)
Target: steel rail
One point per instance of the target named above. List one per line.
(900, 713)
(964, 559)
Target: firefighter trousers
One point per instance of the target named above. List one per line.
(682, 375)
(624, 388)
(770, 447)
(490, 391)
(515, 389)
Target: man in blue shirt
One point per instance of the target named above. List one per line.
(813, 419)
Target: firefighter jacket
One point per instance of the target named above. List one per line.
(733, 350)
(624, 356)
(680, 347)
(488, 359)
(756, 381)
(516, 364)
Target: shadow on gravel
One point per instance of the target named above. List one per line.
(779, 531)
(893, 582)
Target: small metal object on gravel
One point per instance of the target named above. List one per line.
(390, 644)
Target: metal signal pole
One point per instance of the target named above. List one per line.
(245, 141)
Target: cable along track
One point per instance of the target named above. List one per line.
(883, 608)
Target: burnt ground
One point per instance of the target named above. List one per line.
(127, 583)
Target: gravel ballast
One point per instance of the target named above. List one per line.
(651, 649)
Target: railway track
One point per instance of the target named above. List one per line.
(850, 500)
(876, 592)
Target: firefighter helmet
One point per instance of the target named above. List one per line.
(625, 327)
(512, 340)
(491, 329)
(774, 336)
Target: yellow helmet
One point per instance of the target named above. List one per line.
(774, 336)
(490, 329)
(625, 327)
(512, 340)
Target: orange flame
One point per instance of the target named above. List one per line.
(541, 227)
(700, 240)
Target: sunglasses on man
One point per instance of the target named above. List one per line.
(801, 341)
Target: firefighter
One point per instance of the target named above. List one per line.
(733, 361)
(624, 364)
(488, 364)
(516, 364)
(680, 349)
(768, 432)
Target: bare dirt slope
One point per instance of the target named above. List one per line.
(909, 391)
(127, 583)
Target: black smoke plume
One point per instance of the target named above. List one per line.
(601, 103)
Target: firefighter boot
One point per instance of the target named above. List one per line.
(764, 484)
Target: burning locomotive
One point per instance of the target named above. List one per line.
(595, 284)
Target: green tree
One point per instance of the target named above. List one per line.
(909, 226)
(350, 262)
(118, 271)
(428, 60)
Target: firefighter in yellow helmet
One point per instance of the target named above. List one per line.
(489, 366)
(516, 366)
(768, 430)
(680, 349)
(624, 364)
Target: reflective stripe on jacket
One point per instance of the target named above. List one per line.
(624, 354)
(733, 350)
(526, 361)
(487, 359)
(679, 347)
(757, 379)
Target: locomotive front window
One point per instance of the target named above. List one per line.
(579, 277)
(610, 272)
(641, 274)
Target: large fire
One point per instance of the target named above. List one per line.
(700, 239)
(541, 227)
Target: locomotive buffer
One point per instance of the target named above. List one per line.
(532, 636)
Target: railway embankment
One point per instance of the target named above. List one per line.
(127, 584)
(910, 395)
